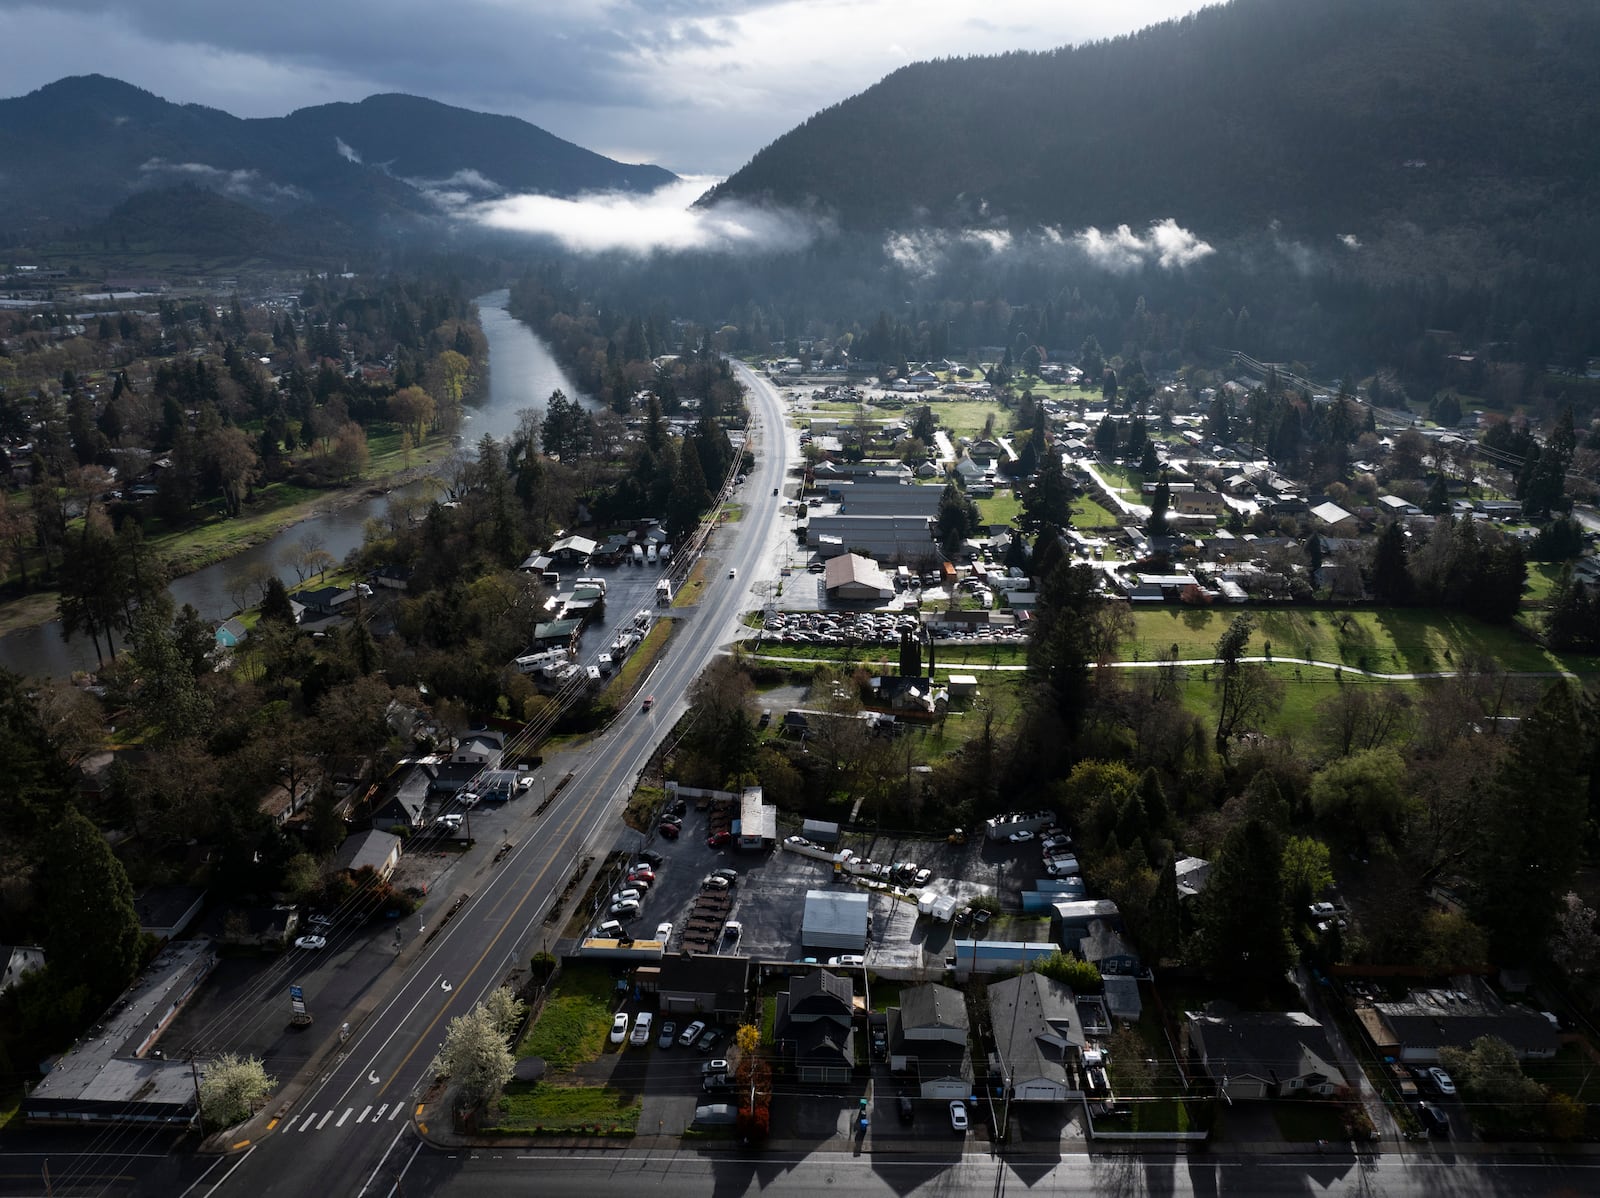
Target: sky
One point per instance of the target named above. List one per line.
(696, 86)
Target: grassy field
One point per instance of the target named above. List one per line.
(548, 1106)
(966, 418)
(575, 1021)
(1305, 1121)
(1571, 1071)
(690, 588)
(1542, 578)
(1086, 513)
(1386, 640)
(1126, 482)
(1002, 509)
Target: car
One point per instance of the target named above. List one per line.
(717, 839)
(708, 1040)
(311, 942)
(650, 858)
(732, 930)
(320, 921)
(848, 960)
(924, 876)
(907, 1111)
(1435, 1120)
(673, 819)
(649, 702)
(623, 896)
(816, 567)
(958, 1116)
(691, 1034)
(731, 874)
(715, 1083)
(670, 831)
(1442, 1082)
(626, 909)
(774, 490)
(712, 882)
(642, 871)
(453, 820)
(524, 784)
(719, 1065)
(733, 574)
(642, 885)
(610, 930)
(669, 1034)
(469, 798)
(619, 1027)
(641, 1030)
(1021, 836)
(664, 932)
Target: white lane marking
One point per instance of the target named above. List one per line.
(325, 1119)
(362, 1117)
(310, 1119)
(398, 1107)
(376, 1118)
(344, 1116)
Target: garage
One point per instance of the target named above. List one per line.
(836, 921)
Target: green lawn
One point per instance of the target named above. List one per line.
(1086, 514)
(966, 417)
(1002, 509)
(548, 1106)
(1386, 640)
(1150, 1114)
(575, 1021)
(1305, 690)
(1542, 578)
(1121, 479)
(1305, 1120)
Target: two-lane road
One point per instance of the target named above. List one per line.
(345, 1134)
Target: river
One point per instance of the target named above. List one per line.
(522, 374)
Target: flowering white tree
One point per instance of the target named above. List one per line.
(231, 1087)
(475, 1055)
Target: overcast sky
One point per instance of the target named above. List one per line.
(697, 86)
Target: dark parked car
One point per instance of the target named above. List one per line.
(1434, 1119)
(650, 857)
(709, 1039)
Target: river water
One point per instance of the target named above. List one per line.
(522, 374)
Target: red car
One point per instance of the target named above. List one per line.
(649, 875)
(670, 831)
(717, 839)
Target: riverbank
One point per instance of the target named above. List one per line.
(218, 539)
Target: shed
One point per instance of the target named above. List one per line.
(835, 920)
(375, 850)
(820, 831)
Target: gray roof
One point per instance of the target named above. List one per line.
(818, 994)
(1035, 1023)
(366, 850)
(933, 1006)
(1273, 1046)
(831, 913)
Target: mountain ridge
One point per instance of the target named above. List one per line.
(77, 148)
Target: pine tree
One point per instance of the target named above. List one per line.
(92, 932)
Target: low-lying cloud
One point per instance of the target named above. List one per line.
(662, 221)
(1166, 243)
(241, 184)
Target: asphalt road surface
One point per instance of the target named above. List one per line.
(349, 1132)
(508, 1174)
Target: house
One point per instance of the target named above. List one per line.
(1038, 1037)
(1335, 519)
(231, 633)
(326, 601)
(557, 634)
(1108, 950)
(374, 850)
(282, 803)
(165, 911)
(1414, 1029)
(481, 748)
(573, 551)
(1394, 505)
(927, 1036)
(1264, 1054)
(702, 985)
(851, 576)
(405, 804)
(815, 1027)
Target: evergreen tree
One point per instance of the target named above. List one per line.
(1159, 502)
(92, 930)
(276, 606)
(1243, 931)
(1391, 575)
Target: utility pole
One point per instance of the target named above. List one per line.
(194, 1073)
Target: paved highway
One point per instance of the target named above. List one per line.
(350, 1129)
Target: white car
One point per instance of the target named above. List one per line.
(733, 574)
(626, 909)
(1442, 1081)
(623, 896)
(311, 942)
(713, 882)
(663, 932)
(641, 1030)
(848, 960)
(619, 1027)
(958, 1116)
(467, 798)
(691, 1033)
(1021, 836)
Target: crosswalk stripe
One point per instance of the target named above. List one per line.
(379, 1115)
(325, 1119)
(305, 1124)
(396, 1111)
(363, 1115)
(344, 1116)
